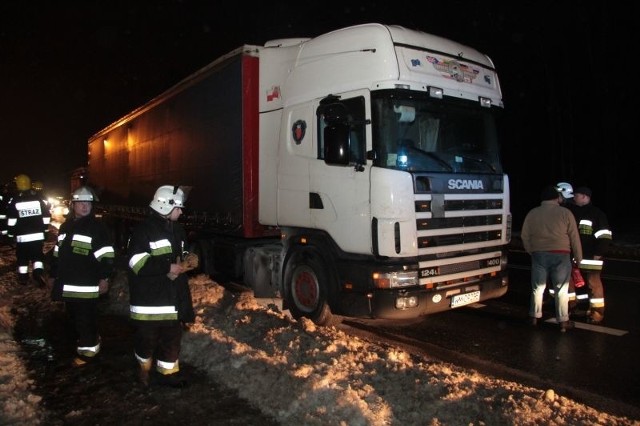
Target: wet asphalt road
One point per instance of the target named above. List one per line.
(589, 361)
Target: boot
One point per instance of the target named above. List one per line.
(82, 359)
(143, 377)
(144, 370)
(39, 278)
(566, 325)
(79, 361)
(23, 279)
(595, 317)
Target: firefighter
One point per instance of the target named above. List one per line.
(81, 267)
(5, 197)
(566, 192)
(28, 220)
(160, 300)
(596, 236)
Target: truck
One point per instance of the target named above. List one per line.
(353, 174)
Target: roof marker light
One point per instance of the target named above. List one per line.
(436, 92)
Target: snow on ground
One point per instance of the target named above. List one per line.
(18, 405)
(302, 374)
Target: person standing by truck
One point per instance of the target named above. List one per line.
(596, 236)
(550, 235)
(80, 269)
(160, 300)
(28, 220)
(566, 192)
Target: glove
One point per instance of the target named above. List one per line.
(48, 246)
(576, 277)
(103, 286)
(190, 262)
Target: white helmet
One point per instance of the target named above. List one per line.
(565, 189)
(166, 198)
(84, 193)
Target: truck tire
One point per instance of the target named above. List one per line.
(306, 288)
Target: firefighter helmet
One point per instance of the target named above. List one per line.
(565, 189)
(23, 182)
(84, 193)
(37, 185)
(166, 198)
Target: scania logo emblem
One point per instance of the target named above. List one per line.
(298, 131)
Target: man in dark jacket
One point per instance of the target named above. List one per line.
(160, 300)
(595, 236)
(81, 266)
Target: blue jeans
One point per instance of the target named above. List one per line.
(557, 268)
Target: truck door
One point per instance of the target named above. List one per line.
(339, 179)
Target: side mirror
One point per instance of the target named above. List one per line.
(336, 144)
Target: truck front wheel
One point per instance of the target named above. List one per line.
(306, 288)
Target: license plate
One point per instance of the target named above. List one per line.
(465, 299)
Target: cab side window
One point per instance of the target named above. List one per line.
(355, 120)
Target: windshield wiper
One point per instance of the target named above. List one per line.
(478, 160)
(438, 159)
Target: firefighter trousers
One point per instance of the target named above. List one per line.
(161, 341)
(593, 280)
(29, 252)
(83, 316)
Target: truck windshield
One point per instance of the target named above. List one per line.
(422, 134)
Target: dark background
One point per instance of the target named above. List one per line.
(70, 68)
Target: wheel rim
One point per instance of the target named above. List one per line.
(306, 289)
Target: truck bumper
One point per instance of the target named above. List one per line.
(383, 304)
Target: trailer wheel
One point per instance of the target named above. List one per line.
(306, 288)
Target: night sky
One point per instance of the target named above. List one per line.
(70, 68)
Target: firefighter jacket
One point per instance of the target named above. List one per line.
(28, 217)
(4, 201)
(595, 235)
(82, 257)
(155, 244)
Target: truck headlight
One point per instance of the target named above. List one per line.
(395, 279)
